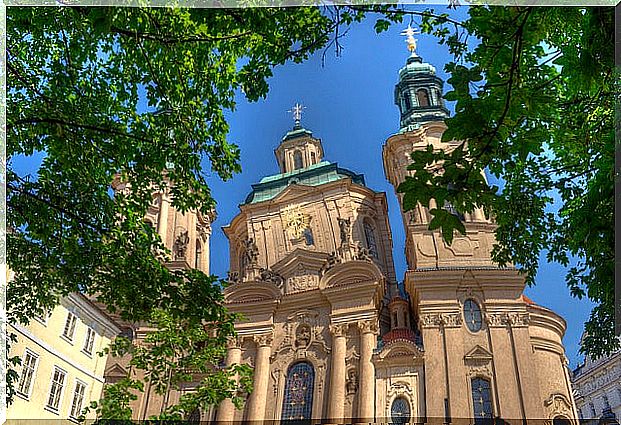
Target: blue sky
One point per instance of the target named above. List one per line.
(349, 105)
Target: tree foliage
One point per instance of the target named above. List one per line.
(137, 94)
(534, 101)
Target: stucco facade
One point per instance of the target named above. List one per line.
(597, 387)
(61, 372)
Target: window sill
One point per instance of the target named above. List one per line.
(22, 396)
(87, 354)
(51, 409)
(66, 338)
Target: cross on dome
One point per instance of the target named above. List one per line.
(297, 112)
(409, 32)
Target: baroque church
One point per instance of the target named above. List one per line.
(328, 329)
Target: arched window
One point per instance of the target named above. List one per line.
(198, 255)
(423, 97)
(400, 411)
(313, 158)
(472, 315)
(369, 235)
(298, 401)
(406, 101)
(481, 400)
(297, 160)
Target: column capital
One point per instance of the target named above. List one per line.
(368, 326)
(339, 329)
(234, 341)
(264, 340)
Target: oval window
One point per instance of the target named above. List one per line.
(472, 315)
(400, 411)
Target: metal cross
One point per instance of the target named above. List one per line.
(409, 32)
(297, 112)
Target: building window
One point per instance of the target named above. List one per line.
(560, 420)
(56, 389)
(580, 414)
(297, 160)
(472, 315)
(198, 255)
(308, 236)
(89, 341)
(313, 158)
(593, 412)
(606, 403)
(298, 401)
(70, 326)
(29, 364)
(423, 97)
(400, 411)
(406, 102)
(78, 399)
(481, 400)
(369, 235)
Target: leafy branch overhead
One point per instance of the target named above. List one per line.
(534, 101)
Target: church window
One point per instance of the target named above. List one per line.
(369, 235)
(606, 402)
(593, 413)
(298, 401)
(198, 255)
(472, 315)
(481, 400)
(313, 158)
(423, 97)
(297, 160)
(406, 102)
(308, 236)
(400, 411)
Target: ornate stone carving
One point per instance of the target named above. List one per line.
(302, 280)
(232, 277)
(558, 405)
(346, 252)
(507, 319)
(268, 275)
(251, 252)
(479, 370)
(368, 326)
(448, 320)
(352, 381)
(518, 319)
(264, 340)
(180, 245)
(234, 342)
(339, 329)
(345, 230)
(303, 335)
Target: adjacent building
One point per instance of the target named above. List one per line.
(597, 388)
(61, 371)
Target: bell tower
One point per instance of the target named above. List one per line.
(298, 149)
(418, 95)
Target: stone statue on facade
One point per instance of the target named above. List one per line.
(345, 227)
(181, 245)
(268, 275)
(251, 252)
(352, 382)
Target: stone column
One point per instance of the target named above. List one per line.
(336, 408)
(258, 397)
(366, 395)
(226, 410)
(162, 225)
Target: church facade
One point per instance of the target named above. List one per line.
(330, 333)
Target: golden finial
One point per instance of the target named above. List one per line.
(409, 32)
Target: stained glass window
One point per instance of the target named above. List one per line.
(400, 411)
(298, 402)
(472, 315)
(481, 400)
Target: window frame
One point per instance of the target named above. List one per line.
(88, 348)
(491, 398)
(64, 334)
(407, 403)
(48, 406)
(32, 354)
(370, 236)
(480, 312)
(72, 407)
